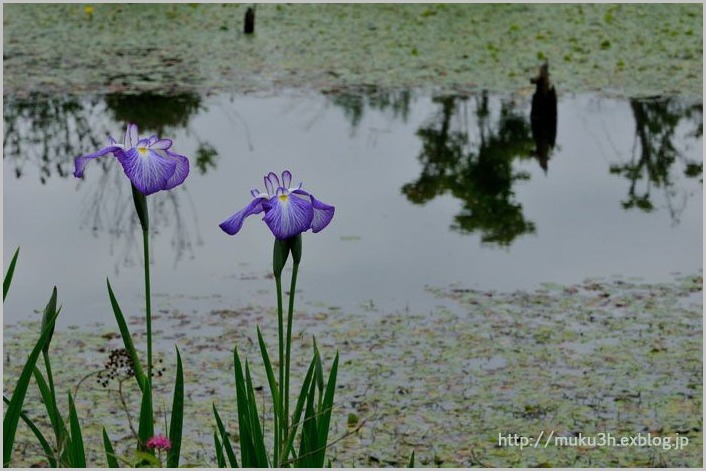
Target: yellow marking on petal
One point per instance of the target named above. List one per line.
(283, 198)
(142, 150)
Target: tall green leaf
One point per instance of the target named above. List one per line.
(256, 428)
(14, 409)
(325, 412)
(40, 438)
(274, 391)
(8, 277)
(177, 419)
(298, 411)
(77, 453)
(411, 460)
(225, 440)
(146, 427)
(49, 400)
(308, 447)
(109, 452)
(127, 339)
(246, 447)
(219, 451)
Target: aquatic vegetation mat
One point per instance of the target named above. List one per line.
(628, 49)
(616, 356)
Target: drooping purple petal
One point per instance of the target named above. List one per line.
(233, 224)
(180, 172)
(287, 216)
(323, 213)
(149, 172)
(81, 161)
(286, 178)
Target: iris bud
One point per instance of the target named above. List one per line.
(141, 206)
(279, 256)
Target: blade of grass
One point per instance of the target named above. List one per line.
(219, 451)
(37, 433)
(411, 460)
(258, 439)
(78, 455)
(247, 448)
(309, 441)
(50, 404)
(270, 372)
(177, 419)
(319, 369)
(14, 409)
(325, 418)
(8, 277)
(109, 452)
(224, 438)
(146, 427)
(127, 339)
(278, 419)
(289, 449)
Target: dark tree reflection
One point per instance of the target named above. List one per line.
(51, 132)
(479, 172)
(355, 103)
(655, 155)
(152, 112)
(47, 134)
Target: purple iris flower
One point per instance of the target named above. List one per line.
(289, 211)
(148, 162)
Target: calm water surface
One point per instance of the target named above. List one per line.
(428, 192)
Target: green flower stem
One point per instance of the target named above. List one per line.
(148, 305)
(290, 315)
(280, 430)
(140, 201)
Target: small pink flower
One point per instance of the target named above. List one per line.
(159, 442)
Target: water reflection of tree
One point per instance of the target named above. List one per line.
(480, 174)
(354, 103)
(656, 127)
(51, 132)
(47, 133)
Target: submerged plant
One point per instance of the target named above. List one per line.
(289, 211)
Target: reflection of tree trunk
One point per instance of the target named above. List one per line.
(656, 122)
(543, 116)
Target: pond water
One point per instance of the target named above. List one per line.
(428, 191)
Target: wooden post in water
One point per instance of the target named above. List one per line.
(249, 27)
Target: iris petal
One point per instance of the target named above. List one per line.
(286, 178)
(271, 183)
(323, 213)
(287, 216)
(163, 144)
(180, 172)
(233, 224)
(148, 173)
(81, 161)
(130, 136)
